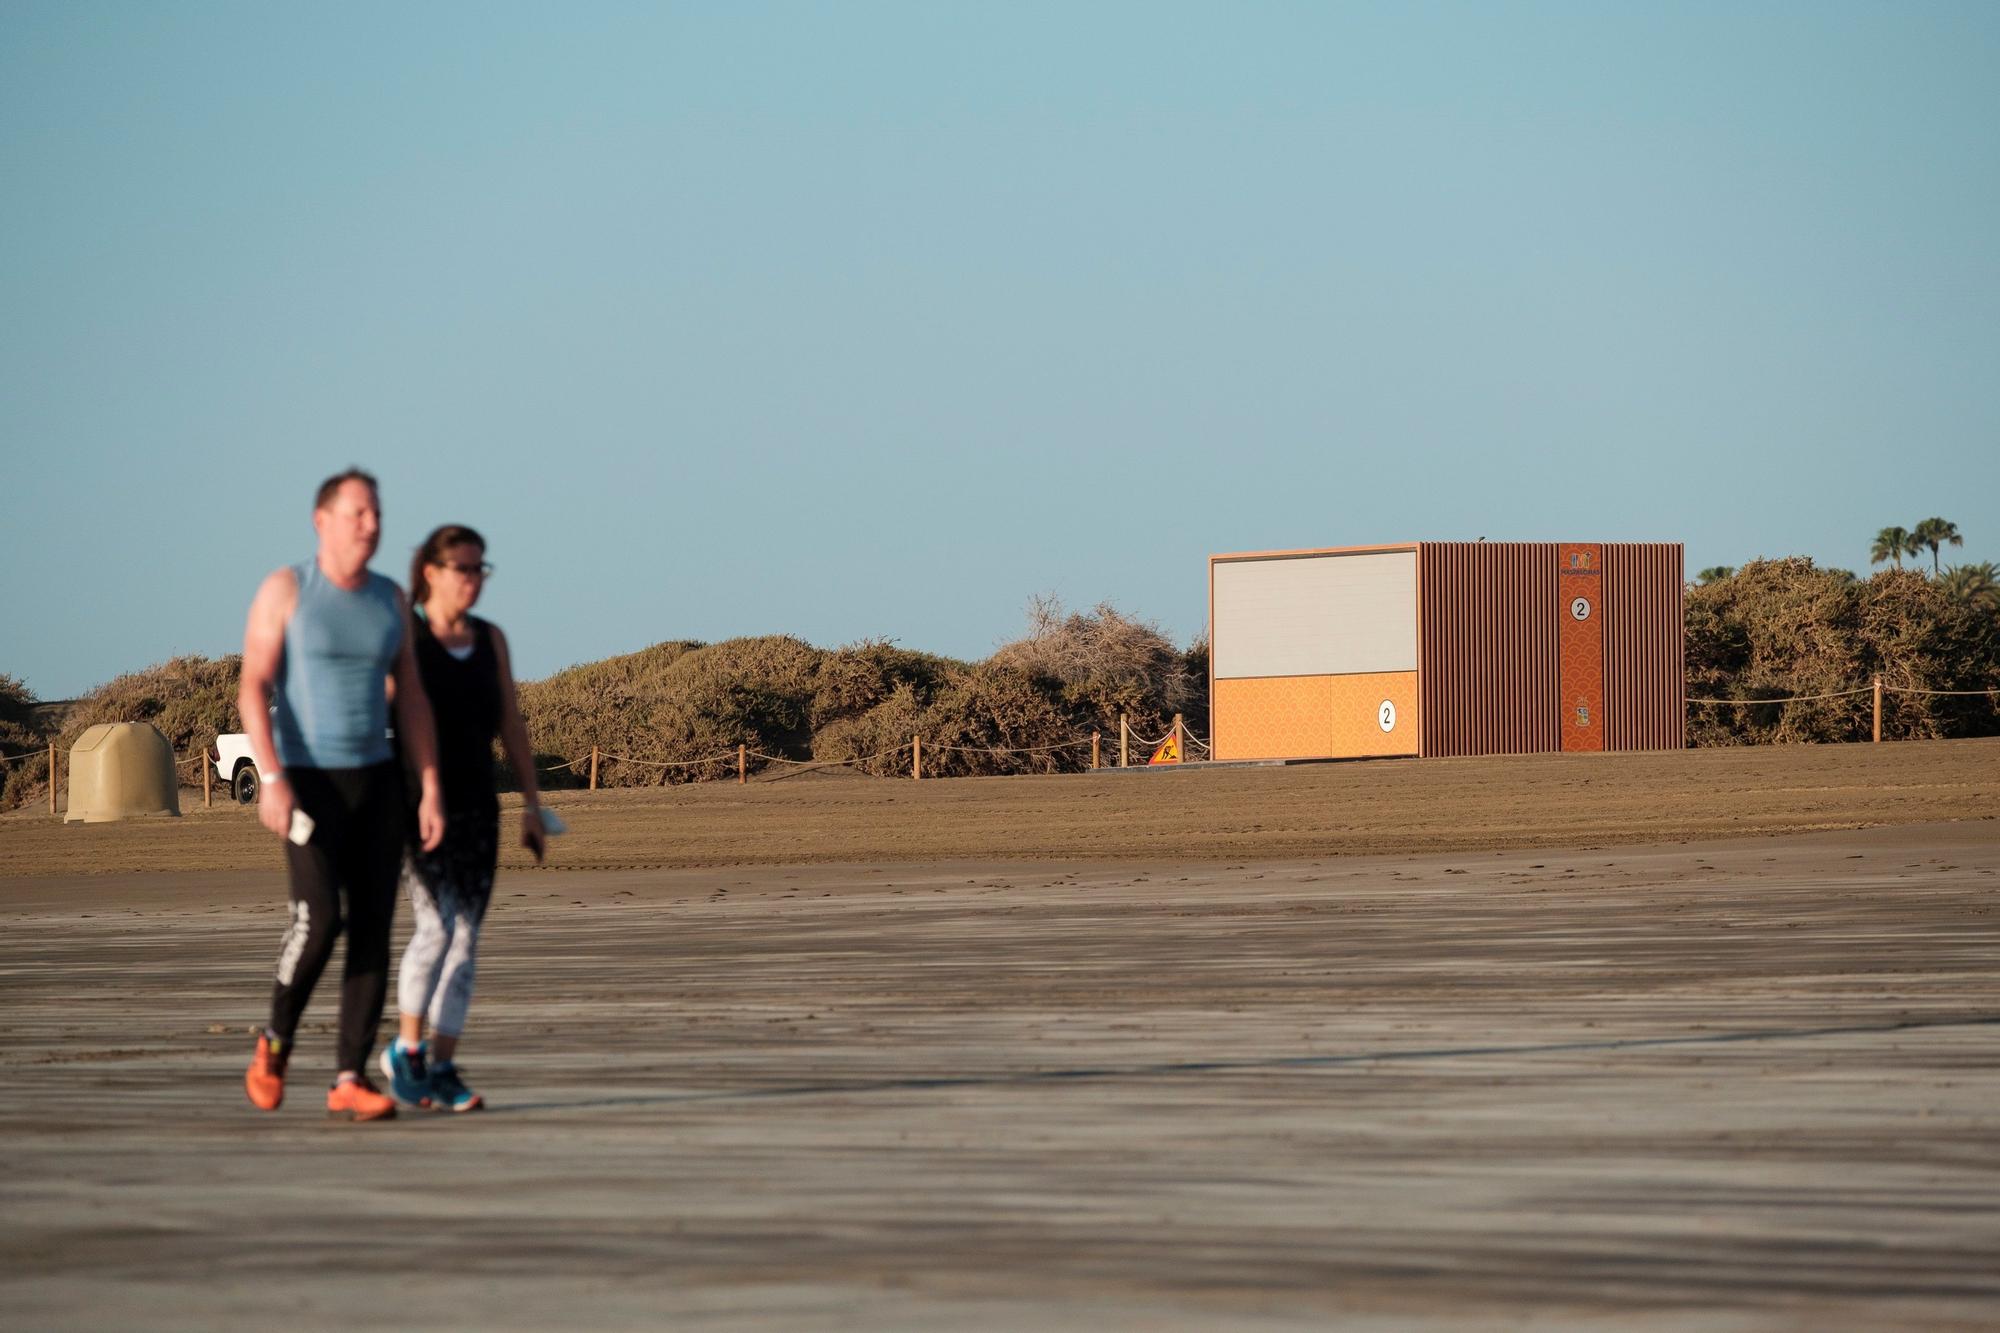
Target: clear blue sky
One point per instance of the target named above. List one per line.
(849, 320)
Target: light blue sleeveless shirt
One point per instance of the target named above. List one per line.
(330, 709)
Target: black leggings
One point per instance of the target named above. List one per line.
(450, 890)
(356, 851)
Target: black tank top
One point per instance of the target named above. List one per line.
(465, 701)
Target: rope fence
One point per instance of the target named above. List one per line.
(1184, 746)
(1993, 693)
(670, 763)
(1877, 687)
(1846, 694)
(1790, 698)
(800, 767)
(916, 747)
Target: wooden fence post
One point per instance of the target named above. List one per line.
(1095, 738)
(593, 768)
(1180, 740)
(207, 775)
(52, 777)
(742, 764)
(1124, 741)
(917, 758)
(1878, 710)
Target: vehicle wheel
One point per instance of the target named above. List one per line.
(246, 785)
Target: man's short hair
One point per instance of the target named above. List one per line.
(331, 486)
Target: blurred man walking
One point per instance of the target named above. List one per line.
(325, 638)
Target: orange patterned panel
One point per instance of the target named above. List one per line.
(1362, 703)
(1580, 646)
(1272, 717)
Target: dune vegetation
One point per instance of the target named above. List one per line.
(1029, 708)
(680, 701)
(1777, 628)
(676, 711)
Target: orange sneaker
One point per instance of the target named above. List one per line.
(358, 1099)
(264, 1081)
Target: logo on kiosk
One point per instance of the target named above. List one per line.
(1386, 715)
(1582, 712)
(1579, 560)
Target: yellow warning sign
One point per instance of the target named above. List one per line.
(1168, 753)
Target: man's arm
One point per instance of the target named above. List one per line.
(418, 733)
(263, 652)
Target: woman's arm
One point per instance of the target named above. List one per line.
(520, 755)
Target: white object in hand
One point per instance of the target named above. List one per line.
(302, 827)
(552, 824)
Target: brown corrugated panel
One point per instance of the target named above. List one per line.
(1487, 630)
(1645, 670)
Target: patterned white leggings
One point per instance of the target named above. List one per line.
(450, 889)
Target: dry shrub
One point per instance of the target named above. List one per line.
(594, 703)
(1103, 663)
(1031, 707)
(21, 734)
(1786, 627)
(754, 691)
(861, 704)
(675, 703)
(870, 700)
(873, 740)
(19, 728)
(969, 718)
(192, 700)
(981, 712)
(857, 678)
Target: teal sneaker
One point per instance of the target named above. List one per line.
(409, 1080)
(448, 1090)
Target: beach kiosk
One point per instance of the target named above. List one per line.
(1446, 648)
(118, 770)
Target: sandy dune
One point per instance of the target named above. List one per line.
(1200, 814)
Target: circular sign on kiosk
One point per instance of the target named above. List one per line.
(1579, 608)
(1386, 715)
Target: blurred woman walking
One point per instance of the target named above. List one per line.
(466, 673)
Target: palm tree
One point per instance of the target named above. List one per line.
(1892, 544)
(1714, 574)
(1978, 585)
(1935, 532)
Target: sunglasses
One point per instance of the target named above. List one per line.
(479, 571)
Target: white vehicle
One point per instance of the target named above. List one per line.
(236, 768)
